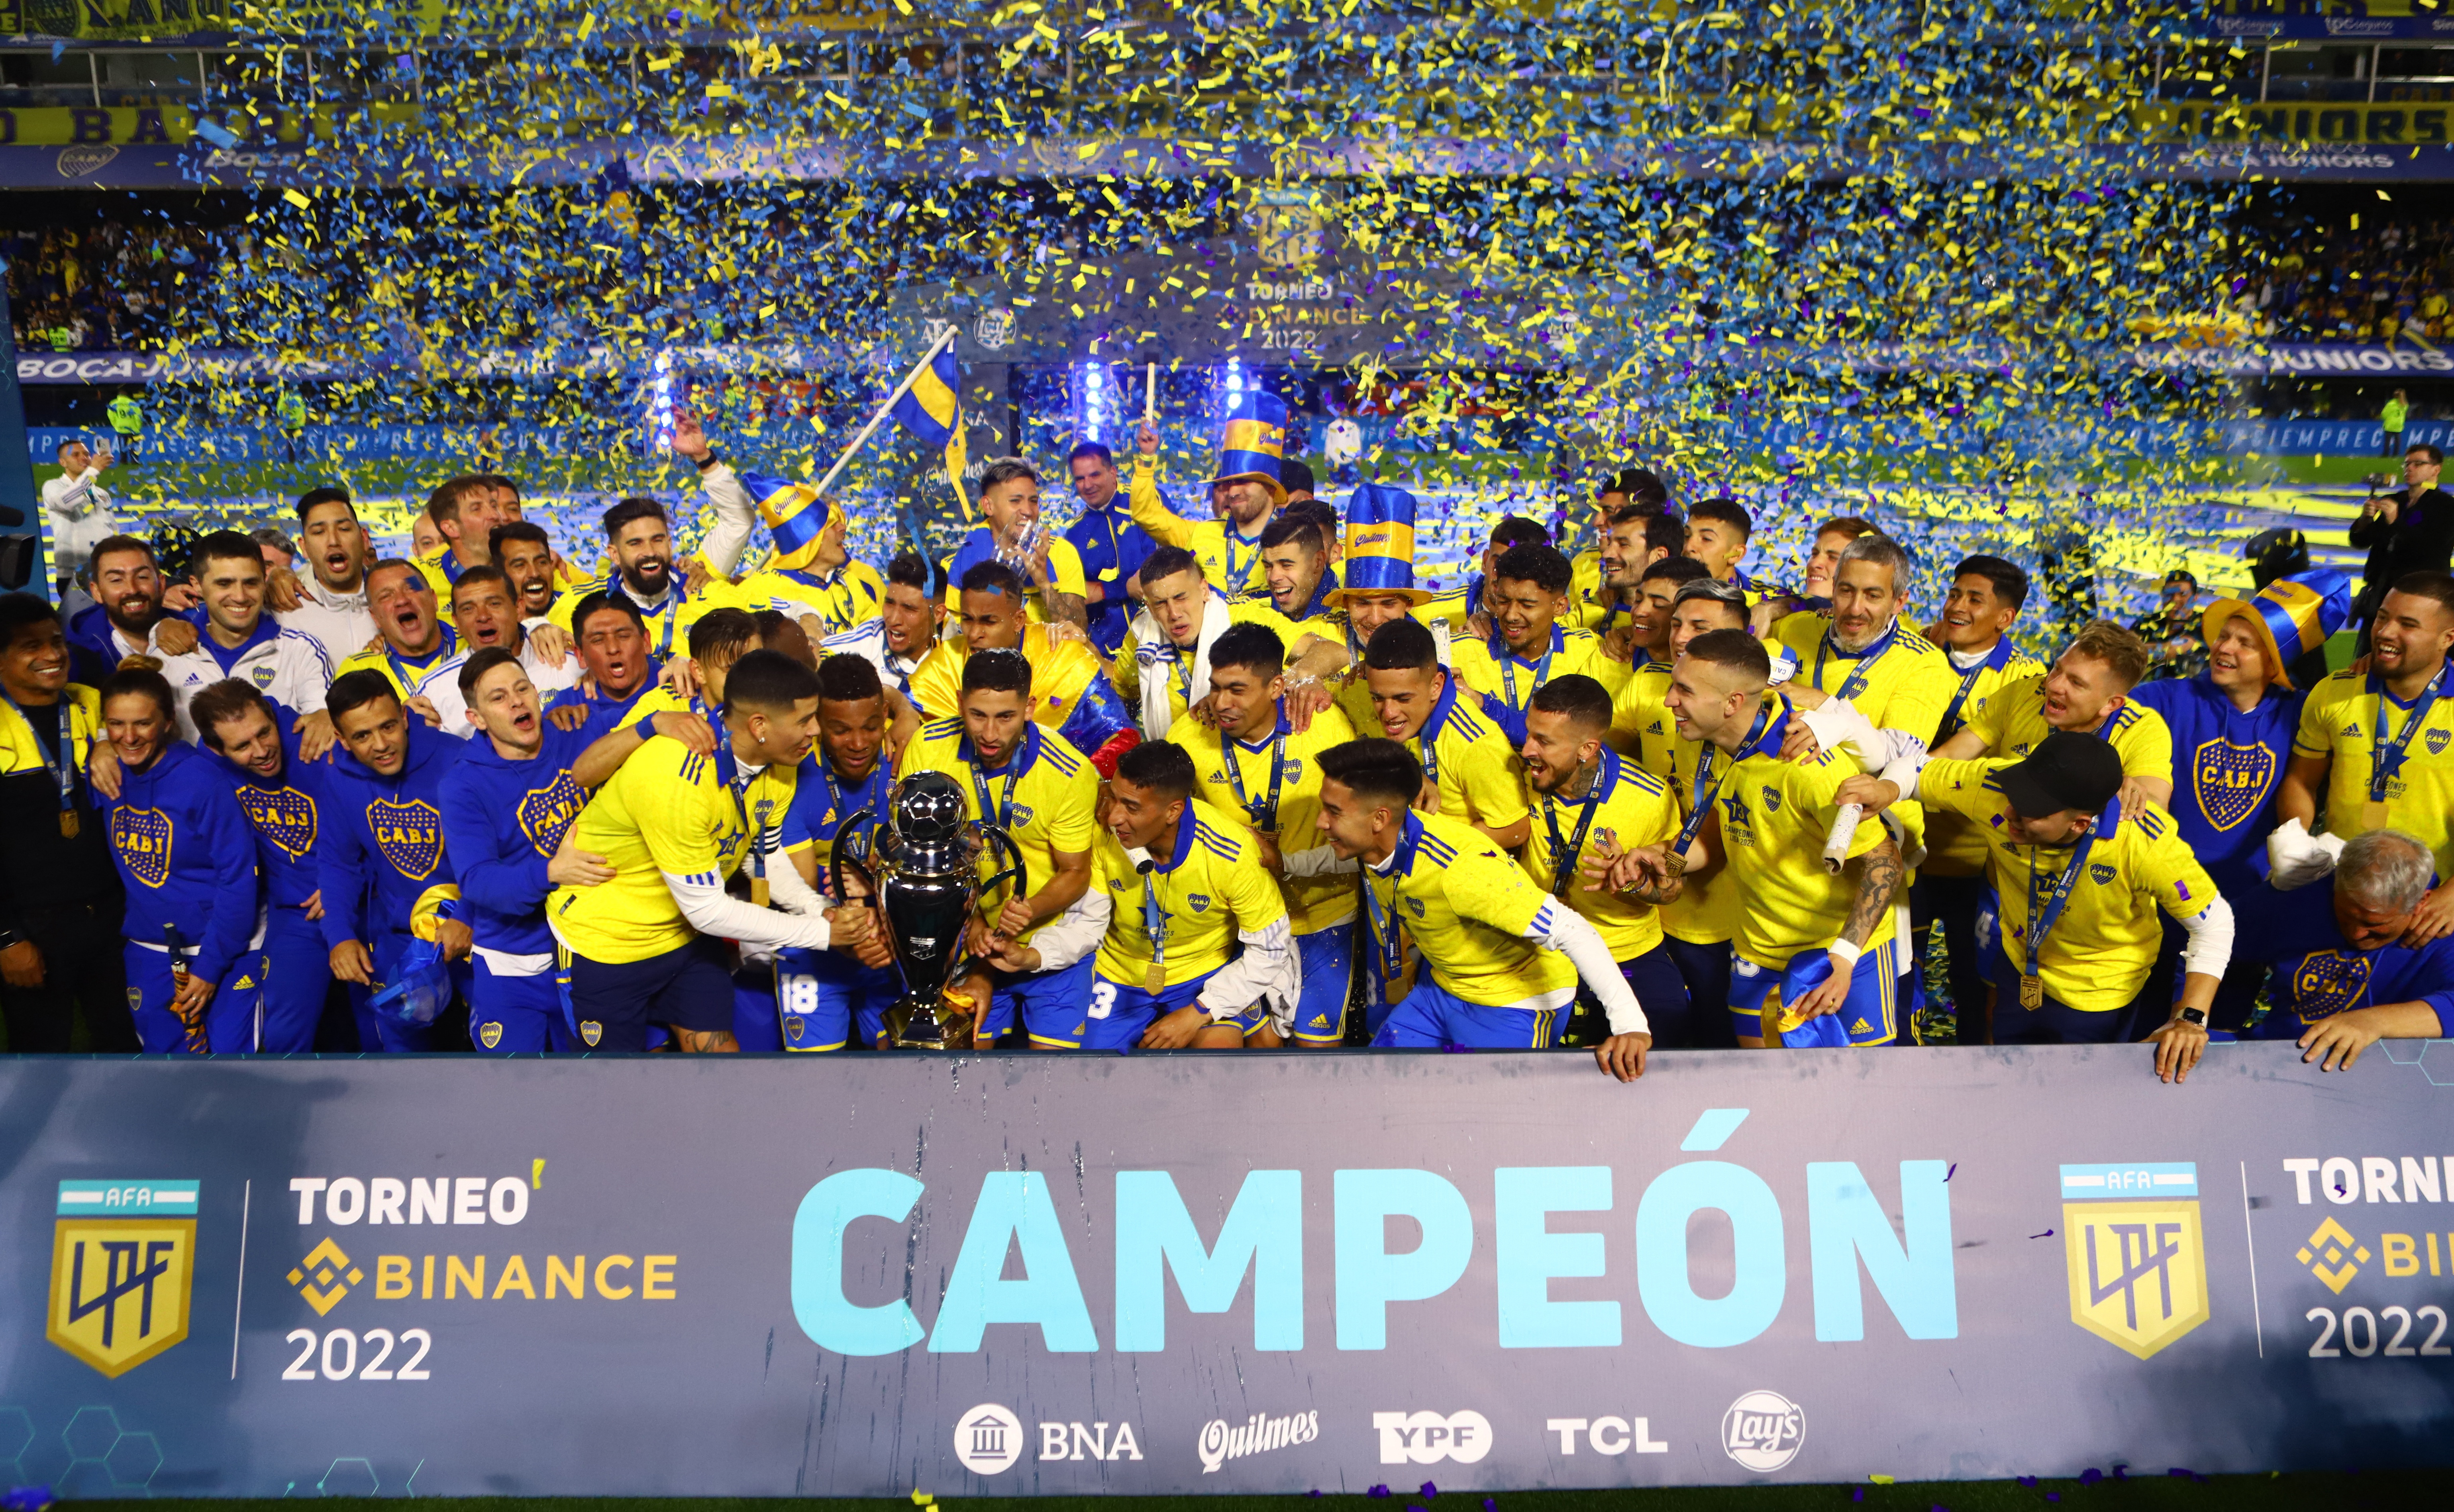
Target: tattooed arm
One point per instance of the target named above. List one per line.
(1879, 881)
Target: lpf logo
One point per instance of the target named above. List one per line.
(1764, 1430)
(2137, 1266)
(123, 1256)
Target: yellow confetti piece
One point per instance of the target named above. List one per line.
(296, 198)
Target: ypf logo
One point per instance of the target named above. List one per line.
(987, 1439)
(1427, 1438)
(1764, 1430)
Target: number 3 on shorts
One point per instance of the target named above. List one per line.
(1103, 998)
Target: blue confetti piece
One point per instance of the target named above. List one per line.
(215, 132)
(2090, 1476)
(1430, 1491)
(1378, 1491)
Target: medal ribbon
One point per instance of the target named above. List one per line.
(1996, 659)
(1564, 853)
(2042, 923)
(2386, 758)
(1507, 660)
(1705, 761)
(1264, 816)
(64, 770)
(400, 669)
(1855, 683)
(999, 813)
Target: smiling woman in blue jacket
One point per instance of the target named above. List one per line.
(195, 974)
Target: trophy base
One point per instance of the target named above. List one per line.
(923, 1023)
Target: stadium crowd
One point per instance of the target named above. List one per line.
(1265, 790)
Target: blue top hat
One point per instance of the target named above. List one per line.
(2293, 616)
(1256, 443)
(1380, 546)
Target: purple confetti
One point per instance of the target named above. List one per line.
(1430, 1490)
(2090, 1476)
(2047, 1234)
(1378, 1491)
(2029, 1480)
(1954, 1170)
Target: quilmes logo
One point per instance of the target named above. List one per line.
(1764, 1430)
(2137, 1263)
(987, 1439)
(123, 1256)
(1427, 1438)
(1221, 1442)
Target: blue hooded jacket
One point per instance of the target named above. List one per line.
(502, 821)
(286, 812)
(188, 858)
(385, 833)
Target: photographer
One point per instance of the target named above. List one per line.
(2411, 530)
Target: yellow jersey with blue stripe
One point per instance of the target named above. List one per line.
(667, 809)
(1061, 672)
(667, 624)
(845, 599)
(2011, 721)
(2351, 720)
(407, 674)
(1774, 816)
(1953, 848)
(1470, 760)
(1046, 796)
(1230, 561)
(1629, 808)
(1467, 908)
(2097, 956)
(1490, 669)
(1900, 681)
(1241, 779)
(1203, 892)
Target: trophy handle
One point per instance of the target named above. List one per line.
(1019, 872)
(835, 857)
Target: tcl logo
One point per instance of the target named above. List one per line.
(1427, 1438)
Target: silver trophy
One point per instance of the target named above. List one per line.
(923, 873)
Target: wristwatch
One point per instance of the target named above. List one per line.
(2195, 1018)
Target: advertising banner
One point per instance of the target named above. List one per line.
(858, 1275)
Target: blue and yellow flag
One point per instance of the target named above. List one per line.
(932, 411)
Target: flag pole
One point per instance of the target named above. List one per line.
(1150, 393)
(879, 418)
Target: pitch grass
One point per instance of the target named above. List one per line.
(2372, 1491)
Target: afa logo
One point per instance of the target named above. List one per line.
(123, 1259)
(2232, 780)
(409, 836)
(2136, 1265)
(142, 837)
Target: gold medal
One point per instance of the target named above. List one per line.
(69, 823)
(2032, 992)
(2373, 815)
(1155, 980)
(758, 892)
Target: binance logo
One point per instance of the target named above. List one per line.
(2332, 1255)
(325, 1277)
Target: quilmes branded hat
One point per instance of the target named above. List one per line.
(796, 516)
(2068, 769)
(1256, 443)
(2291, 616)
(1380, 546)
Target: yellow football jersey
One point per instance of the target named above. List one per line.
(849, 597)
(1064, 574)
(1177, 671)
(1061, 672)
(1490, 669)
(668, 625)
(1586, 610)
(1318, 619)
(667, 810)
(1774, 816)
(406, 674)
(1203, 893)
(2342, 720)
(21, 752)
(1467, 907)
(1470, 760)
(1642, 725)
(2098, 954)
(1238, 777)
(1047, 795)
(1905, 685)
(1230, 561)
(2011, 721)
(1629, 807)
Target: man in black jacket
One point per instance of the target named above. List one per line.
(60, 901)
(2409, 531)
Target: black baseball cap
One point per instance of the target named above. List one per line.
(2068, 769)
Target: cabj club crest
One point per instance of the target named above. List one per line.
(123, 1262)
(2232, 780)
(410, 835)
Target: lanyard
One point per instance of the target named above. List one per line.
(669, 614)
(1392, 958)
(1706, 759)
(1264, 816)
(728, 771)
(63, 770)
(2385, 758)
(1950, 725)
(1427, 740)
(1238, 577)
(1507, 660)
(1855, 683)
(1154, 921)
(1564, 853)
(835, 802)
(998, 812)
(400, 669)
(2040, 923)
